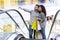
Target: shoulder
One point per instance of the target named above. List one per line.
(42, 13)
(30, 10)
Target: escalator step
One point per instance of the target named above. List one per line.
(33, 39)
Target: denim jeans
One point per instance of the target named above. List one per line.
(43, 33)
(30, 31)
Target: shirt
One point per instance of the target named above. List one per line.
(34, 14)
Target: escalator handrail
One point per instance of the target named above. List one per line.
(53, 23)
(12, 19)
(1, 10)
(10, 35)
(19, 15)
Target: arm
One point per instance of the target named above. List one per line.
(38, 18)
(42, 17)
(25, 10)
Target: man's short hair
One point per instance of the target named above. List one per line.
(37, 5)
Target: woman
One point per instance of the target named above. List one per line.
(42, 12)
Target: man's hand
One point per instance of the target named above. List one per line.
(20, 8)
(28, 22)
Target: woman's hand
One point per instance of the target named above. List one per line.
(39, 19)
(36, 30)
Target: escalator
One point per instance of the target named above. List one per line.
(15, 18)
(20, 21)
(19, 15)
(4, 21)
(9, 18)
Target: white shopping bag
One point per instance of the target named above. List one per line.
(39, 25)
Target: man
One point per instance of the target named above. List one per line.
(33, 14)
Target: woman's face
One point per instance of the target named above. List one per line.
(40, 9)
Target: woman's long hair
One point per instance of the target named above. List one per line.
(43, 9)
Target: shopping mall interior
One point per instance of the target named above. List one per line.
(14, 21)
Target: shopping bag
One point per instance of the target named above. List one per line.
(34, 24)
(38, 25)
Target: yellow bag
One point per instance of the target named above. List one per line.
(34, 25)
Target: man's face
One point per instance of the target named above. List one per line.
(36, 8)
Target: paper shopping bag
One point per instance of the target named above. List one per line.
(38, 25)
(34, 25)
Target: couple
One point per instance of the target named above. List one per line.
(39, 13)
